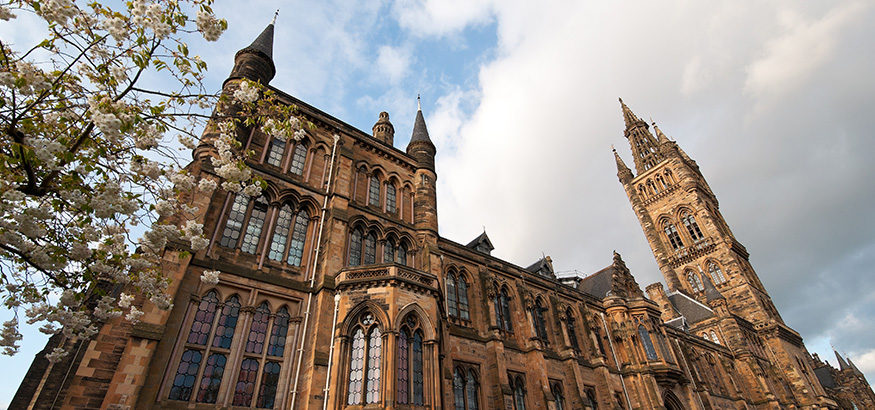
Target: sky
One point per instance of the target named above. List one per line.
(773, 99)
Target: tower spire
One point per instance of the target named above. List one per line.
(255, 62)
(645, 148)
(623, 172)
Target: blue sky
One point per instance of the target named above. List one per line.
(773, 99)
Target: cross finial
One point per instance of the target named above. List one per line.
(274, 16)
(418, 103)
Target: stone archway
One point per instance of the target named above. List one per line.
(671, 401)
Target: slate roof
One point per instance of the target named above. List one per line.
(825, 377)
(689, 308)
(598, 284)
(263, 43)
(482, 239)
(420, 132)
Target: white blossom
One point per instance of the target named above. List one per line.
(210, 277)
(6, 14)
(207, 185)
(134, 315)
(56, 355)
(246, 93)
(125, 300)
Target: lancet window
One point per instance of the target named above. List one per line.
(410, 382)
(365, 356)
(692, 227)
(716, 273)
(673, 237)
(457, 296)
(466, 388)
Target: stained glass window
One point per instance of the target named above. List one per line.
(390, 198)
(212, 378)
(356, 363)
(253, 229)
(277, 149)
(465, 387)
(245, 388)
(267, 390)
(370, 249)
(277, 342)
(298, 159)
(258, 329)
(375, 348)
(355, 248)
(458, 390)
(299, 235)
(234, 224)
(374, 192)
(186, 372)
(403, 367)
(416, 360)
(281, 233)
(203, 319)
(227, 323)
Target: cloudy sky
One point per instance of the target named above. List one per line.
(773, 99)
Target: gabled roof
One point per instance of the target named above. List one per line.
(690, 308)
(480, 243)
(543, 267)
(825, 377)
(598, 284)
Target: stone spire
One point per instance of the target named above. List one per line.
(255, 62)
(711, 292)
(383, 130)
(420, 147)
(623, 172)
(645, 148)
(842, 364)
(660, 137)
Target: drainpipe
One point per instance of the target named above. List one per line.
(616, 362)
(330, 352)
(313, 274)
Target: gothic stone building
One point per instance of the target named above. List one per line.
(337, 292)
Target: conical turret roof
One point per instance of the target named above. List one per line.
(264, 42)
(420, 131)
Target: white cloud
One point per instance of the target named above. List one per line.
(393, 63)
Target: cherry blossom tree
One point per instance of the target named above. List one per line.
(87, 157)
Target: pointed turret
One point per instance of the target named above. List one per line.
(383, 130)
(660, 137)
(854, 367)
(645, 148)
(623, 172)
(420, 147)
(842, 364)
(711, 292)
(255, 62)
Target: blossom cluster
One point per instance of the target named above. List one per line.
(210, 26)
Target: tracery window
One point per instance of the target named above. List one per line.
(692, 227)
(401, 255)
(714, 337)
(364, 363)
(252, 237)
(289, 222)
(393, 253)
(212, 335)
(501, 303)
(716, 273)
(597, 334)
(695, 282)
(242, 208)
(518, 385)
(299, 158)
(457, 296)
(673, 237)
(410, 382)
(362, 248)
(647, 342)
(391, 198)
(389, 251)
(275, 152)
(539, 323)
(374, 192)
(558, 398)
(570, 328)
(465, 388)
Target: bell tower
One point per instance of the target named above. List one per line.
(698, 254)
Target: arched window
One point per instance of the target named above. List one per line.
(389, 251)
(370, 250)
(364, 363)
(391, 200)
(252, 237)
(237, 220)
(374, 192)
(695, 282)
(647, 342)
(692, 227)
(716, 273)
(275, 152)
(539, 323)
(706, 336)
(589, 399)
(502, 310)
(401, 255)
(714, 337)
(642, 191)
(465, 388)
(410, 382)
(457, 296)
(355, 248)
(558, 398)
(298, 159)
(571, 329)
(210, 337)
(673, 238)
(519, 392)
(296, 224)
